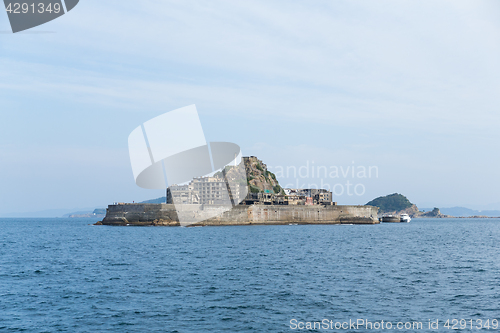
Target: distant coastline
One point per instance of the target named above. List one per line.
(396, 204)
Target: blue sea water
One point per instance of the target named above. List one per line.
(66, 275)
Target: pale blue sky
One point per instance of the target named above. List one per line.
(411, 87)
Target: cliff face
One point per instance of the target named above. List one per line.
(259, 179)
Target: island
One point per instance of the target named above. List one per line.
(266, 203)
(396, 204)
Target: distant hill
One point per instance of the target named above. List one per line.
(101, 212)
(98, 212)
(391, 203)
(156, 201)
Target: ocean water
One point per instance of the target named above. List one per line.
(66, 275)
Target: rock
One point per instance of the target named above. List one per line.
(259, 178)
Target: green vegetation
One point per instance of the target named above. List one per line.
(254, 189)
(391, 203)
(242, 182)
(260, 178)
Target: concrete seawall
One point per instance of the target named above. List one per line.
(166, 215)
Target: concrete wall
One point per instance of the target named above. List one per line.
(165, 214)
(141, 214)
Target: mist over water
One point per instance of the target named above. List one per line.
(65, 275)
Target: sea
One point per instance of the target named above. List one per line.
(67, 275)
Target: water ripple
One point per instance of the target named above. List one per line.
(68, 276)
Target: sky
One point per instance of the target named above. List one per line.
(406, 89)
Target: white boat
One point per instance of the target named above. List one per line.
(405, 218)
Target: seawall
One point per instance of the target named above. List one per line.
(166, 215)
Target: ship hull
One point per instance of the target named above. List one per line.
(390, 219)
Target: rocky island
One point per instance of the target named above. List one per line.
(265, 203)
(396, 204)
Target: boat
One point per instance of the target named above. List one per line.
(405, 218)
(390, 218)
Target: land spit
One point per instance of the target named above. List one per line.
(166, 215)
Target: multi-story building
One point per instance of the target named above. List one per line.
(214, 191)
(179, 194)
(205, 191)
(300, 195)
(323, 198)
(211, 190)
